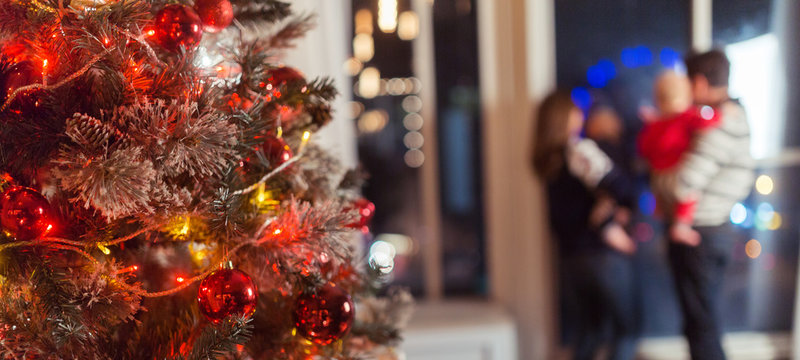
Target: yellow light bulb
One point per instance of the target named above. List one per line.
(185, 229)
(104, 249)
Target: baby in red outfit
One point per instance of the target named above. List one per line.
(667, 137)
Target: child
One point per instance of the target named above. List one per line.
(664, 141)
(576, 171)
(604, 127)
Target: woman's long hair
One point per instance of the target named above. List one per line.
(551, 137)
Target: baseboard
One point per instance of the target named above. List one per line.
(738, 346)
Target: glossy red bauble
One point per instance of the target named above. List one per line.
(227, 292)
(16, 76)
(325, 316)
(215, 14)
(178, 25)
(366, 210)
(25, 213)
(278, 77)
(283, 75)
(275, 151)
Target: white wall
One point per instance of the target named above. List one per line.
(322, 53)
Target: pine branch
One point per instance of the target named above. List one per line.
(289, 32)
(250, 12)
(217, 341)
(225, 210)
(377, 333)
(111, 183)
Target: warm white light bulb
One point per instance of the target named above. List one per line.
(369, 83)
(387, 15)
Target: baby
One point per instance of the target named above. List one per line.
(667, 136)
(604, 126)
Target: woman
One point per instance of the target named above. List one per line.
(593, 246)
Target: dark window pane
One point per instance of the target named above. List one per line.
(459, 134)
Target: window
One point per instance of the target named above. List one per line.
(393, 89)
(765, 264)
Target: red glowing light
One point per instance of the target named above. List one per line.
(135, 267)
(151, 32)
(180, 279)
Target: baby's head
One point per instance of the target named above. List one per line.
(673, 93)
(603, 124)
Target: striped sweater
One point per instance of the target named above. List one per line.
(719, 168)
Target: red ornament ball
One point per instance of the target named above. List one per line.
(25, 213)
(325, 316)
(215, 14)
(16, 76)
(178, 25)
(275, 150)
(227, 292)
(366, 210)
(281, 76)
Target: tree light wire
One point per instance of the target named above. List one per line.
(64, 244)
(269, 175)
(80, 72)
(129, 236)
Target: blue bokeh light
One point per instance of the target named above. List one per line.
(749, 221)
(647, 203)
(608, 68)
(628, 57)
(582, 98)
(738, 214)
(601, 73)
(645, 55)
(669, 57)
(765, 212)
(634, 57)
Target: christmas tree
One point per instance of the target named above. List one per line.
(162, 193)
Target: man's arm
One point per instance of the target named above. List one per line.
(713, 150)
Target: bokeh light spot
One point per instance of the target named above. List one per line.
(738, 214)
(765, 212)
(601, 73)
(669, 57)
(752, 248)
(707, 112)
(647, 203)
(636, 57)
(769, 262)
(582, 98)
(776, 222)
(764, 185)
(643, 232)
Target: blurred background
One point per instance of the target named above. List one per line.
(438, 97)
